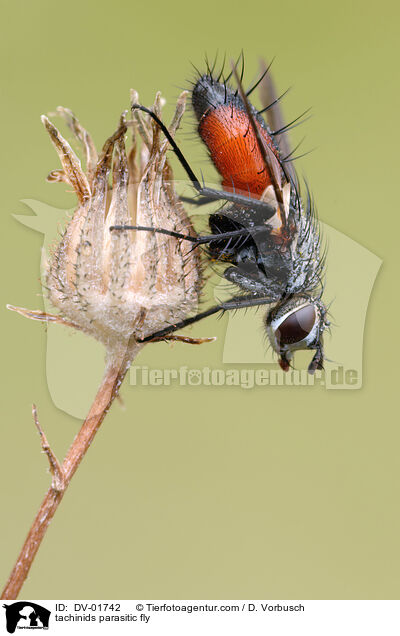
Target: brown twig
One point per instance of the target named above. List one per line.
(58, 481)
(116, 369)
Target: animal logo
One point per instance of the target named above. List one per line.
(26, 615)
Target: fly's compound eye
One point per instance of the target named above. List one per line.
(297, 326)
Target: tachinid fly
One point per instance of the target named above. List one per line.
(263, 232)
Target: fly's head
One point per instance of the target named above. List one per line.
(297, 322)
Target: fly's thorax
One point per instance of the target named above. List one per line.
(296, 323)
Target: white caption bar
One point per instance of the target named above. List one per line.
(150, 617)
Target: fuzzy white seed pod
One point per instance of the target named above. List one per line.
(121, 286)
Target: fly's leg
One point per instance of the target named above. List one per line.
(235, 303)
(178, 338)
(245, 281)
(317, 363)
(199, 240)
(157, 230)
(196, 202)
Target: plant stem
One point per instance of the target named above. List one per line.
(116, 368)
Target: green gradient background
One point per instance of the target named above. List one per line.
(208, 492)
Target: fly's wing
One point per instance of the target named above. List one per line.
(307, 237)
(274, 116)
(273, 113)
(272, 164)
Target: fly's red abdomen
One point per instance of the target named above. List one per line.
(234, 150)
(225, 128)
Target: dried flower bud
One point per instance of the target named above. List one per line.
(122, 285)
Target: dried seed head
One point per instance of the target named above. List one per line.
(122, 285)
